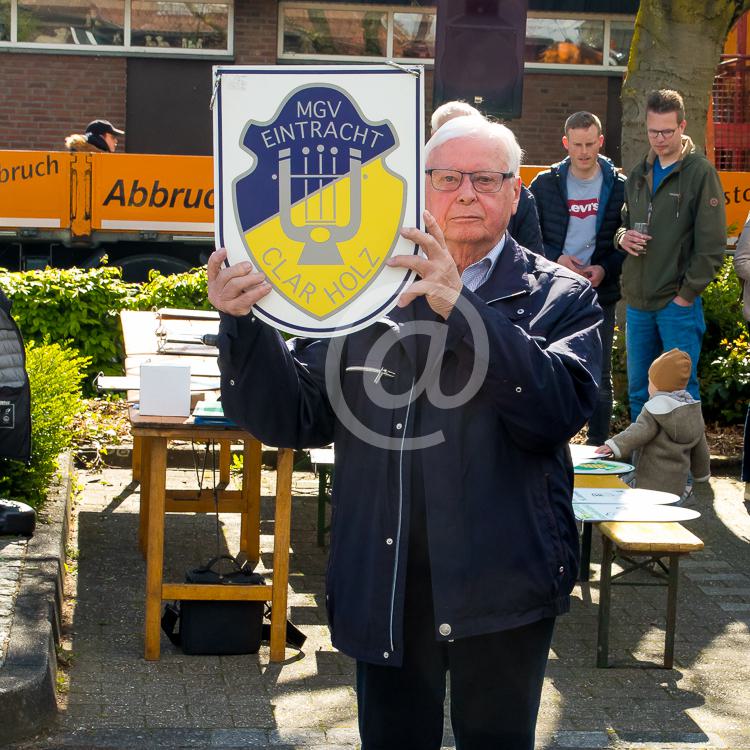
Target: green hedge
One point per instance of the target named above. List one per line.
(82, 306)
(55, 375)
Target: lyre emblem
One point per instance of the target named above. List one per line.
(320, 233)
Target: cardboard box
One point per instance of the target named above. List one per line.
(165, 390)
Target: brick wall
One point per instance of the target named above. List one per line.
(548, 100)
(255, 32)
(48, 97)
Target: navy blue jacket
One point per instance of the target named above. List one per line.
(497, 473)
(523, 226)
(551, 193)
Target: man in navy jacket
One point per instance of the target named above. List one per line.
(579, 202)
(453, 541)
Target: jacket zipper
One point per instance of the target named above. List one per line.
(379, 372)
(400, 509)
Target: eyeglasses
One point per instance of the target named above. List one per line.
(665, 134)
(448, 180)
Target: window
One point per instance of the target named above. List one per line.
(51, 22)
(179, 25)
(362, 32)
(371, 33)
(4, 20)
(564, 41)
(119, 25)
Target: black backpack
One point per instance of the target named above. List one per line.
(15, 394)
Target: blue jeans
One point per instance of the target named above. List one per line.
(648, 333)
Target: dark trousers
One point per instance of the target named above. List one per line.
(602, 416)
(495, 686)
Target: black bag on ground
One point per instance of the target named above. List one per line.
(16, 519)
(217, 627)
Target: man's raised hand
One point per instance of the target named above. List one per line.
(234, 289)
(440, 281)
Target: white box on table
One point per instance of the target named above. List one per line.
(165, 390)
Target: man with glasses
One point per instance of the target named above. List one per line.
(674, 231)
(452, 555)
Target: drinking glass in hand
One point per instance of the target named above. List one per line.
(642, 228)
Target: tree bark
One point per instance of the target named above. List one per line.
(676, 45)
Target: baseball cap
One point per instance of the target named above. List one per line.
(100, 127)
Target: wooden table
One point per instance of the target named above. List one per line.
(154, 434)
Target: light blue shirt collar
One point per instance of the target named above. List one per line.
(478, 272)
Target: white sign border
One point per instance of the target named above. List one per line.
(417, 72)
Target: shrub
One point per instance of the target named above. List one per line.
(723, 366)
(81, 306)
(185, 290)
(55, 375)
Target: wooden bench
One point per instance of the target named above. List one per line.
(638, 546)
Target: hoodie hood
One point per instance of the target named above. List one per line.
(678, 414)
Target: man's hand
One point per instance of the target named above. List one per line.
(603, 450)
(570, 262)
(681, 301)
(236, 289)
(634, 242)
(440, 281)
(595, 274)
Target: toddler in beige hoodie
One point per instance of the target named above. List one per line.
(668, 440)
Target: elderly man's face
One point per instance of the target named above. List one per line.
(468, 217)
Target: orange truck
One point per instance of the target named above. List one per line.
(145, 211)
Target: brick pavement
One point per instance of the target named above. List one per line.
(12, 552)
(116, 699)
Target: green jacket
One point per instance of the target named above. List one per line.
(687, 224)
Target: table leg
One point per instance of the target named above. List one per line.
(281, 539)
(674, 562)
(250, 517)
(605, 593)
(135, 458)
(585, 553)
(225, 460)
(145, 468)
(157, 479)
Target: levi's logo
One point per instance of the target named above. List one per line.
(582, 209)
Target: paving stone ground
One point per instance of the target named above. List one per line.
(115, 699)
(12, 553)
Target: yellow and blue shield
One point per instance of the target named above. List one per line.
(320, 211)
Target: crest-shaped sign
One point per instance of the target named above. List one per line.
(314, 186)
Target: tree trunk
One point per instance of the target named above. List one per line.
(676, 45)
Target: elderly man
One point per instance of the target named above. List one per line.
(453, 541)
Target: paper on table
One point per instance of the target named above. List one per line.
(642, 512)
(625, 496)
(580, 453)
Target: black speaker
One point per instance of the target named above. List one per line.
(479, 54)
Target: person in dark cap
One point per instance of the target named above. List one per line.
(100, 135)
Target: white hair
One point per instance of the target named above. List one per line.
(449, 110)
(478, 127)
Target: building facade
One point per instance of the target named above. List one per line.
(146, 64)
